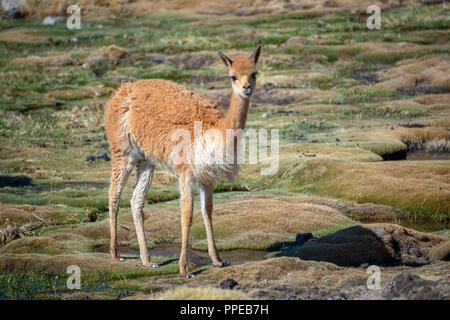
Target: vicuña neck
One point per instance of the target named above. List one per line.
(237, 112)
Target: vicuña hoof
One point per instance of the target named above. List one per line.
(189, 276)
(221, 264)
(152, 266)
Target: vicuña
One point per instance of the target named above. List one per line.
(140, 121)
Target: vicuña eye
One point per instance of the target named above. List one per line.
(233, 78)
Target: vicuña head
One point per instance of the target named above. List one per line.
(141, 119)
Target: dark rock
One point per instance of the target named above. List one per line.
(301, 238)
(411, 287)
(412, 125)
(228, 284)
(104, 157)
(348, 247)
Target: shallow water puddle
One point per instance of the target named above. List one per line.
(198, 257)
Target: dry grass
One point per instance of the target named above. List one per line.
(99, 9)
(57, 264)
(440, 252)
(199, 293)
(413, 186)
(41, 245)
(418, 137)
(434, 71)
(111, 54)
(33, 61)
(255, 221)
(261, 279)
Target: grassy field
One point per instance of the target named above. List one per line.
(345, 99)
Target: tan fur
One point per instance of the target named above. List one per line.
(140, 121)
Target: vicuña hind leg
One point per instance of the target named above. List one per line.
(206, 199)
(121, 169)
(144, 180)
(187, 206)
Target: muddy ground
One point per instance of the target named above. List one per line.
(364, 169)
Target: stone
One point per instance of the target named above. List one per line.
(11, 8)
(408, 286)
(228, 284)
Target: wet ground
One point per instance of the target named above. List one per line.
(199, 258)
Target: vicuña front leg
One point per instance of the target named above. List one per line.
(206, 199)
(121, 169)
(187, 206)
(144, 179)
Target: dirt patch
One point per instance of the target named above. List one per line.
(196, 62)
(23, 36)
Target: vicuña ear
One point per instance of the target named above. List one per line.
(255, 55)
(226, 61)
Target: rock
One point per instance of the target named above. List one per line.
(440, 252)
(228, 284)
(379, 244)
(11, 8)
(348, 247)
(103, 156)
(49, 21)
(265, 115)
(409, 286)
(301, 238)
